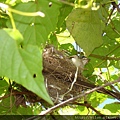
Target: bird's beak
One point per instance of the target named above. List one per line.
(85, 60)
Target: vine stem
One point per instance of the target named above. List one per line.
(41, 14)
(12, 20)
(7, 8)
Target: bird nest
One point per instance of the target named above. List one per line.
(59, 73)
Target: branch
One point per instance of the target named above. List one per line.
(115, 6)
(5, 96)
(15, 93)
(104, 57)
(75, 98)
(88, 106)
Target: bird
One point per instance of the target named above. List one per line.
(79, 62)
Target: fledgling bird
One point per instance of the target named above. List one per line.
(79, 62)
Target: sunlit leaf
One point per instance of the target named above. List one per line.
(97, 98)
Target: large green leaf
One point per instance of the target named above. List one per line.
(64, 12)
(22, 65)
(35, 30)
(85, 27)
(113, 107)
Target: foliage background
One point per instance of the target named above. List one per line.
(93, 24)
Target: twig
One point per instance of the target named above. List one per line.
(104, 57)
(109, 17)
(15, 93)
(5, 96)
(75, 98)
(112, 25)
(115, 6)
(88, 106)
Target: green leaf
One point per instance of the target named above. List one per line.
(2, 0)
(102, 13)
(24, 111)
(35, 30)
(37, 108)
(113, 107)
(86, 28)
(82, 110)
(64, 12)
(69, 48)
(89, 70)
(98, 98)
(24, 66)
(105, 112)
(7, 106)
(53, 40)
(3, 86)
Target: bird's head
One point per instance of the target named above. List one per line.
(79, 61)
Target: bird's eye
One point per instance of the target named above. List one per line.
(83, 57)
